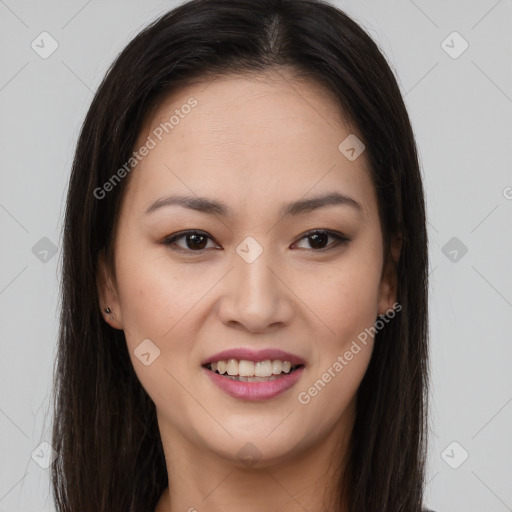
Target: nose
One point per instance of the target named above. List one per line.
(255, 296)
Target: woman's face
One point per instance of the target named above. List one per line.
(253, 277)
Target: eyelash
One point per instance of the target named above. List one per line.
(340, 240)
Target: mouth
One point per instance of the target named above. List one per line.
(253, 380)
(253, 375)
(252, 371)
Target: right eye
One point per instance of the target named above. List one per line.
(195, 241)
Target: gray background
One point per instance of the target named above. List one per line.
(460, 109)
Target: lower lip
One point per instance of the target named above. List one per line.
(254, 391)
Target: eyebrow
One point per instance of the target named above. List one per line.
(213, 207)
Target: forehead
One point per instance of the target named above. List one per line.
(253, 109)
(250, 137)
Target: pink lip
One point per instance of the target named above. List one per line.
(254, 355)
(254, 391)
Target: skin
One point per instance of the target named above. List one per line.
(255, 143)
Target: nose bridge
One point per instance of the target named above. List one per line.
(253, 274)
(255, 297)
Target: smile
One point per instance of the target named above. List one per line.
(253, 381)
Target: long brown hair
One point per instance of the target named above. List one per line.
(110, 455)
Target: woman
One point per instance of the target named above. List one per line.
(244, 293)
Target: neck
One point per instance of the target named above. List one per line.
(204, 481)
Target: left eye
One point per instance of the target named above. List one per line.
(196, 241)
(319, 237)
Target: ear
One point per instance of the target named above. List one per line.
(107, 293)
(389, 281)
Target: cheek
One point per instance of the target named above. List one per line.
(145, 294)
(156, 298)
(155, 292)
(342, 354)
(345, 296)
(156, 306)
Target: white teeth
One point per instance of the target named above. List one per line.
(245, 368)
(263, 368)
(277, 367)
(232, 367)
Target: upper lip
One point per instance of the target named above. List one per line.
(254, 355)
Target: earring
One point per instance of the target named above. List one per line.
(108, 310)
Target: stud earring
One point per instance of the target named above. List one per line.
(108, 311)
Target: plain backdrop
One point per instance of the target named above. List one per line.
(453, 63)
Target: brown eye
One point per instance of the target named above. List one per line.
(195, 241)
(318, 240)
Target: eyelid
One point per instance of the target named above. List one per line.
(171, 239)
(340, 238)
